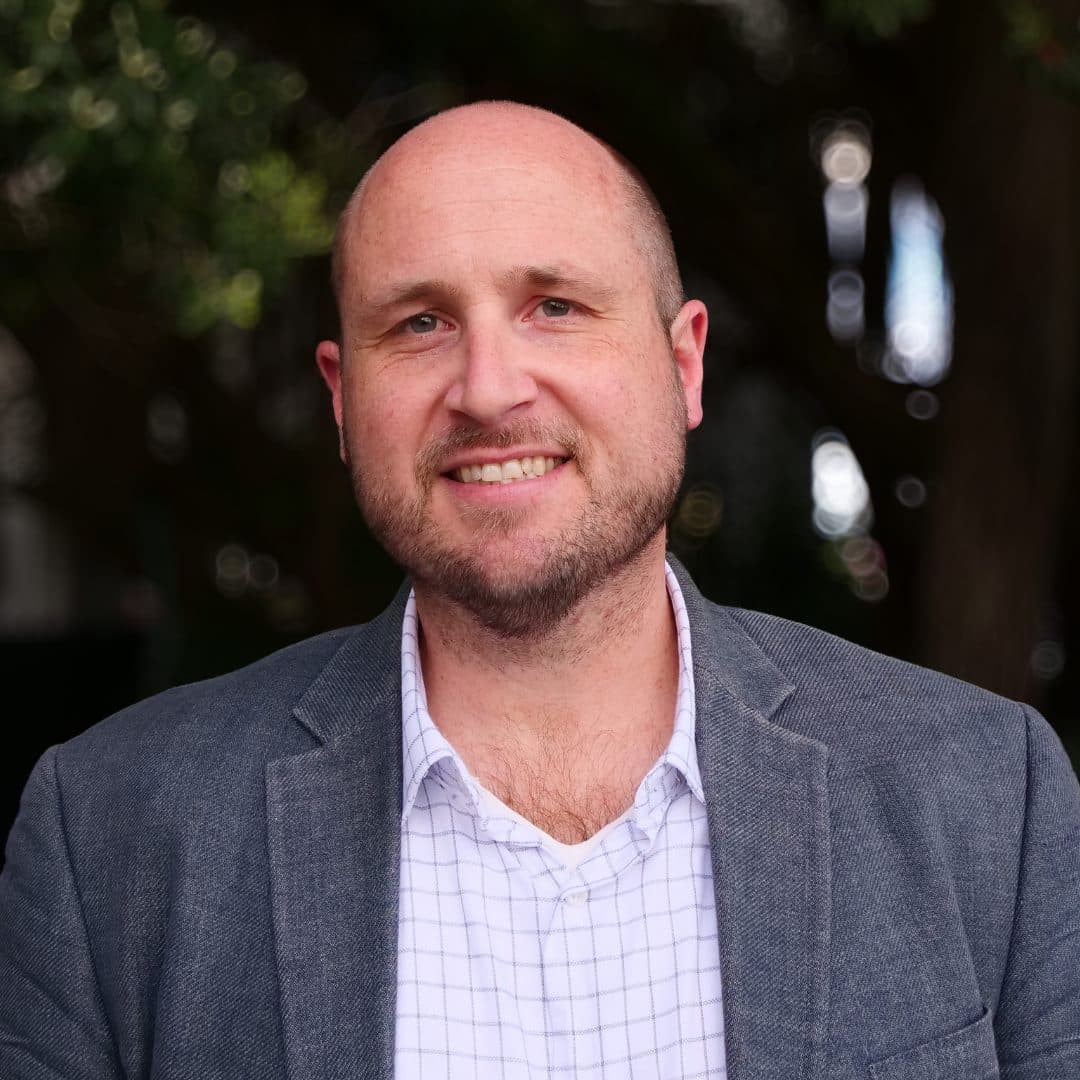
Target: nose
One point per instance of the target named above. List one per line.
(493, 379)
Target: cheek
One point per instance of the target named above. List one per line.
(389, 423)
(650, 416)
(638, 395)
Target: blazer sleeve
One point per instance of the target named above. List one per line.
(1038, 1017)
(52, 1019)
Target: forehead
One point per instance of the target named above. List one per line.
(471, 201)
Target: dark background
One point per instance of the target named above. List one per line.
(171, 505)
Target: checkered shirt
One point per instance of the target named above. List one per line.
(512, 963)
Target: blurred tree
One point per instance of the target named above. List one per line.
(142, 151)
(158, 183)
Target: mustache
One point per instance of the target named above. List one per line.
(517, 433)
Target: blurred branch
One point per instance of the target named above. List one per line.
(1043, 35)
(1046, 39)
(877, 18)
(143, 149)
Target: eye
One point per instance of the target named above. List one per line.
(554, 308)
(424, 323)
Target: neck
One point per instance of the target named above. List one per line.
(563, 727)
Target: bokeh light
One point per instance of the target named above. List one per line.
(1048, 660)
(167, 429)
(840, 492)
(918, 300)
(846, 155)
(845, 158)
(844, 313)
(843, 514)
(846, 207)
(910, 492)
(922, 404)
(698, 515)
(255, 576)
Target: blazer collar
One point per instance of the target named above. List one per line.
(766, 791)
(359, 684)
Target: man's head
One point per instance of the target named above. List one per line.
(509, 300)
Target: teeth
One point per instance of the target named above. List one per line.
(508, 472)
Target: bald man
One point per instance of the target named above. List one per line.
(552, 813)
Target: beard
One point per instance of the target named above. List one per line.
(530, 597)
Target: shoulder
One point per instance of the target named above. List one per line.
(861, 703)
(262, 688)
(907, 749)
(206, 731)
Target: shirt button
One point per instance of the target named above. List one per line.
(576, 899)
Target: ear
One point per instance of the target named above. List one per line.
(688, 333)
(328, 359)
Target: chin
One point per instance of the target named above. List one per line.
(513, 603)
(526, 587)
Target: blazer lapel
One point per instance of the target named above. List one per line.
(767, 796)
(333, 825)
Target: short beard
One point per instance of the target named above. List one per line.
(609, 533)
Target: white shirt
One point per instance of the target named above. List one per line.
(519, 956)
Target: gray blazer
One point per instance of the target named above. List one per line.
(205, 885)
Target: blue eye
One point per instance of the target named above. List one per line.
(555, 308)
(424, 323)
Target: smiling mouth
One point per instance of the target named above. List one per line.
(506, 472)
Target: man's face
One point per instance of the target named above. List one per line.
(513, 414)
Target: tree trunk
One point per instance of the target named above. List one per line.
(1008, 195)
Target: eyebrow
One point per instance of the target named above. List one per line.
(558, 278)
(411, 292)
(553, 279)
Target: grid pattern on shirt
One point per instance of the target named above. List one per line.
(511, 964)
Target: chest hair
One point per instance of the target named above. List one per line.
(569, 790)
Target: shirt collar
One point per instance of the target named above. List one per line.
(424, 746)
(681, 752)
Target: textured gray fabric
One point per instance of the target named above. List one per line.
(205, 885)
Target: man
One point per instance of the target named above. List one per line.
(552, 813)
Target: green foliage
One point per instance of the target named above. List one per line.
(878, 18)
(141, 148)
(1049, 46)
